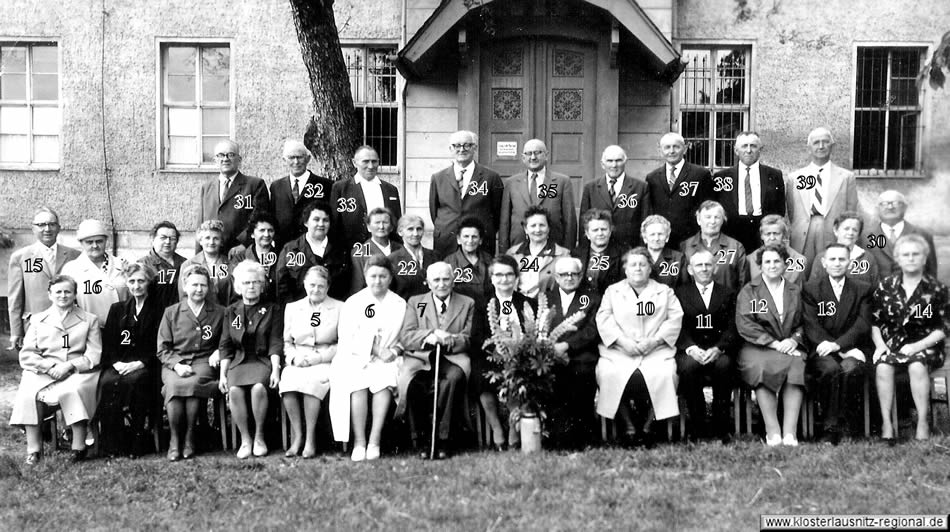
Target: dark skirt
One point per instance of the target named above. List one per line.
(249, 372)
(203, 383)
(770, 368)
(126, 410)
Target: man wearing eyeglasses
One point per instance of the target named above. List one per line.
(891, 206)
(573, 419)
(464, 189)
(30, 271)
(537, 186)
(291, 194)
(231, 196)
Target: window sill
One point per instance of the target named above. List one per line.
(188, 170)
(889, 174)
(29, 167)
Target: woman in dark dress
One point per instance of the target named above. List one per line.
(911, 320)
(470, 263)
(251, 348)
(128, 384)
(313, 248)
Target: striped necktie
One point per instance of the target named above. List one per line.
(816, 207)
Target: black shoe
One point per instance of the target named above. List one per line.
(33, 458)
(76, 456)
(499, 447)
(891, 442)
(725, 438)
(831, 436)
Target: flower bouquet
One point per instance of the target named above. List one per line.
(524, 356)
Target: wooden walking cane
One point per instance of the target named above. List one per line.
(435, 397)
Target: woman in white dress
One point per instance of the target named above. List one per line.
(310, 336)
(366, 361)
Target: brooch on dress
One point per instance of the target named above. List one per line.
(262, 311)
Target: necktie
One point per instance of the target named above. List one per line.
(461, 180)
(224, 189)
(672, 179)
(816, 205)
(613, 190)
(533, 188)
(748, 191)
(295, 190)
(891, 234)
(442, 308)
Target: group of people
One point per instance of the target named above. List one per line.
(320, 290)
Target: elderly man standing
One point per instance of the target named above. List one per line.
(625, 197)
(575, 385)
(291, 194)
(443, 318)
(464, 189)
(749, 191)
(891, 206)
(353, 197)
(30, 271)
(818, 193)
(677, 189)
(537, 186)
(231, 196)
(166, 261)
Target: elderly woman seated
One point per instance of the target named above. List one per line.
(58, 369)
(310, 343)
(639, 321)
(769, 318)
(909, 328)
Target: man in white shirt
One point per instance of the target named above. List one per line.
(891, 207)
(352, 198)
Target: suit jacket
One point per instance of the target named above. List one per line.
(628, 211)
(722, 318)
(291, 270)
(130, 338)
(603, 271)
(410, 278)
(448, 208)
(28, 292)
(249, 333)
(349, 227)
(582, 343)
(842, 196)
(763, 328)
(679, 204)
(287, 211)
(234, 211)
(561, 215)
(771, 194)
(669, 268)
(184, 337)
(884, 257)
(421, 319)
(729, 264)
(849, 325)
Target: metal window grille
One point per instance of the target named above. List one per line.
(372, 76)
(887, 109)
(29, 104)
(196, 102)
(714, 103)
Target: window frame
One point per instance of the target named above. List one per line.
(160, 119)
(926, 49)
(748, 108)
(397, 103)
(29, 102)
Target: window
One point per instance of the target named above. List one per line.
(887, 110)
(29, 104)
(714, 103)
(373, 85)
(196, 102)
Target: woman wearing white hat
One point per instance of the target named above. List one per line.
(98, 274)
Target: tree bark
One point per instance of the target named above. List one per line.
(333, 133)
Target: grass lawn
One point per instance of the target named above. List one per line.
(673, 487)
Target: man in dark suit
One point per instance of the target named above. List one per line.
(461, 190)
(599, 254)
(625, 197)
(677, 189)
(837, 312)
(748, 191)
(291, 194)
(891, 206)
(353, 197)
(575, 384)
(706, 346)
(438, 317)
(537, 185)
(231, 196)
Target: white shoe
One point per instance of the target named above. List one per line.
(359, 454)
(260, 448)
(773, 440)
(790, 440)
(244, 451)
(372, 452)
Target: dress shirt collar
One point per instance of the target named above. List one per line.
(437, 301)
(364, 182)
(541, 173)
(678, 166)
(469, 169)
(619, 184)
(566, 298)
(319, 248)
(897, 228)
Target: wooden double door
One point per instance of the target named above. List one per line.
(539, 88)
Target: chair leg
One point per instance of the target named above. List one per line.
(736, 411)
(669, 429)
(894, 421)
(283, 426)
(603, 429)
(479, 428)
(222, 423)
(748, 412)
(867, 408)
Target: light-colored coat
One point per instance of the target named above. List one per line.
(112, 282)
(617, 317)
(357, 332)
(43, 348)
(27, 292)
(842, 196)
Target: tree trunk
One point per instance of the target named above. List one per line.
(333, 133)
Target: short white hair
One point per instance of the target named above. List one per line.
(674, 135)
(821, 130)
(295, 145)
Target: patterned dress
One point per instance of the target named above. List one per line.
(903, 321)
